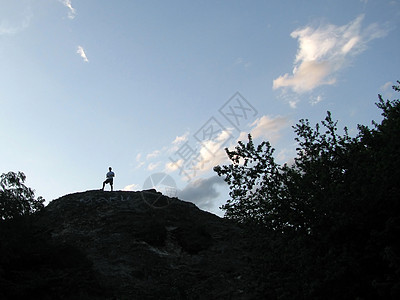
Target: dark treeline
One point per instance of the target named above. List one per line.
(327, 226)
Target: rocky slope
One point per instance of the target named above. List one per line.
(143, 245)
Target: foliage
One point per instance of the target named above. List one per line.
(16, 199)
(330, 219)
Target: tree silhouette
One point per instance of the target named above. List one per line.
(330, 219)
(16, 199)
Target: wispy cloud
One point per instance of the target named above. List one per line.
(315, 100)
(16, 21)
(153, 166)
(204, 192)
(82, 54)
(241, 62)
(208, 154)
(211, 152)
(139, 161)
(179, 140)
(387, 86)
(71, 10)
(325, 50)
(153, 154)
(387, 90)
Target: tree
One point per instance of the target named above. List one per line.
(16, 199)
(332, 217)
(294, 196)
(285, 197)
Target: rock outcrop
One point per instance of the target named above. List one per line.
(143, 245)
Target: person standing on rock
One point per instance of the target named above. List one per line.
(110, 178)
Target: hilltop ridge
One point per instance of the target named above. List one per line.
(143, 245)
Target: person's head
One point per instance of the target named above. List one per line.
(110, 169)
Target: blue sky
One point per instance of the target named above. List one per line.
(152, 87)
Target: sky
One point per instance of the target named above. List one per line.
(158, 89)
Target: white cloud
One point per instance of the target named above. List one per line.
(212, 152)
(170, 166)
(71, 10)
(82, 53)
(306, 77)
(173, 166)
(131, 187)
(208, 154)
(180, 139)
(177, 142)
(243, 136)
(268, 127)
(325, 50)
(286, 155)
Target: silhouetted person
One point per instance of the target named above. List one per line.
(110, 178)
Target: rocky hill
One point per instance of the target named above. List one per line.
(128, 245)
